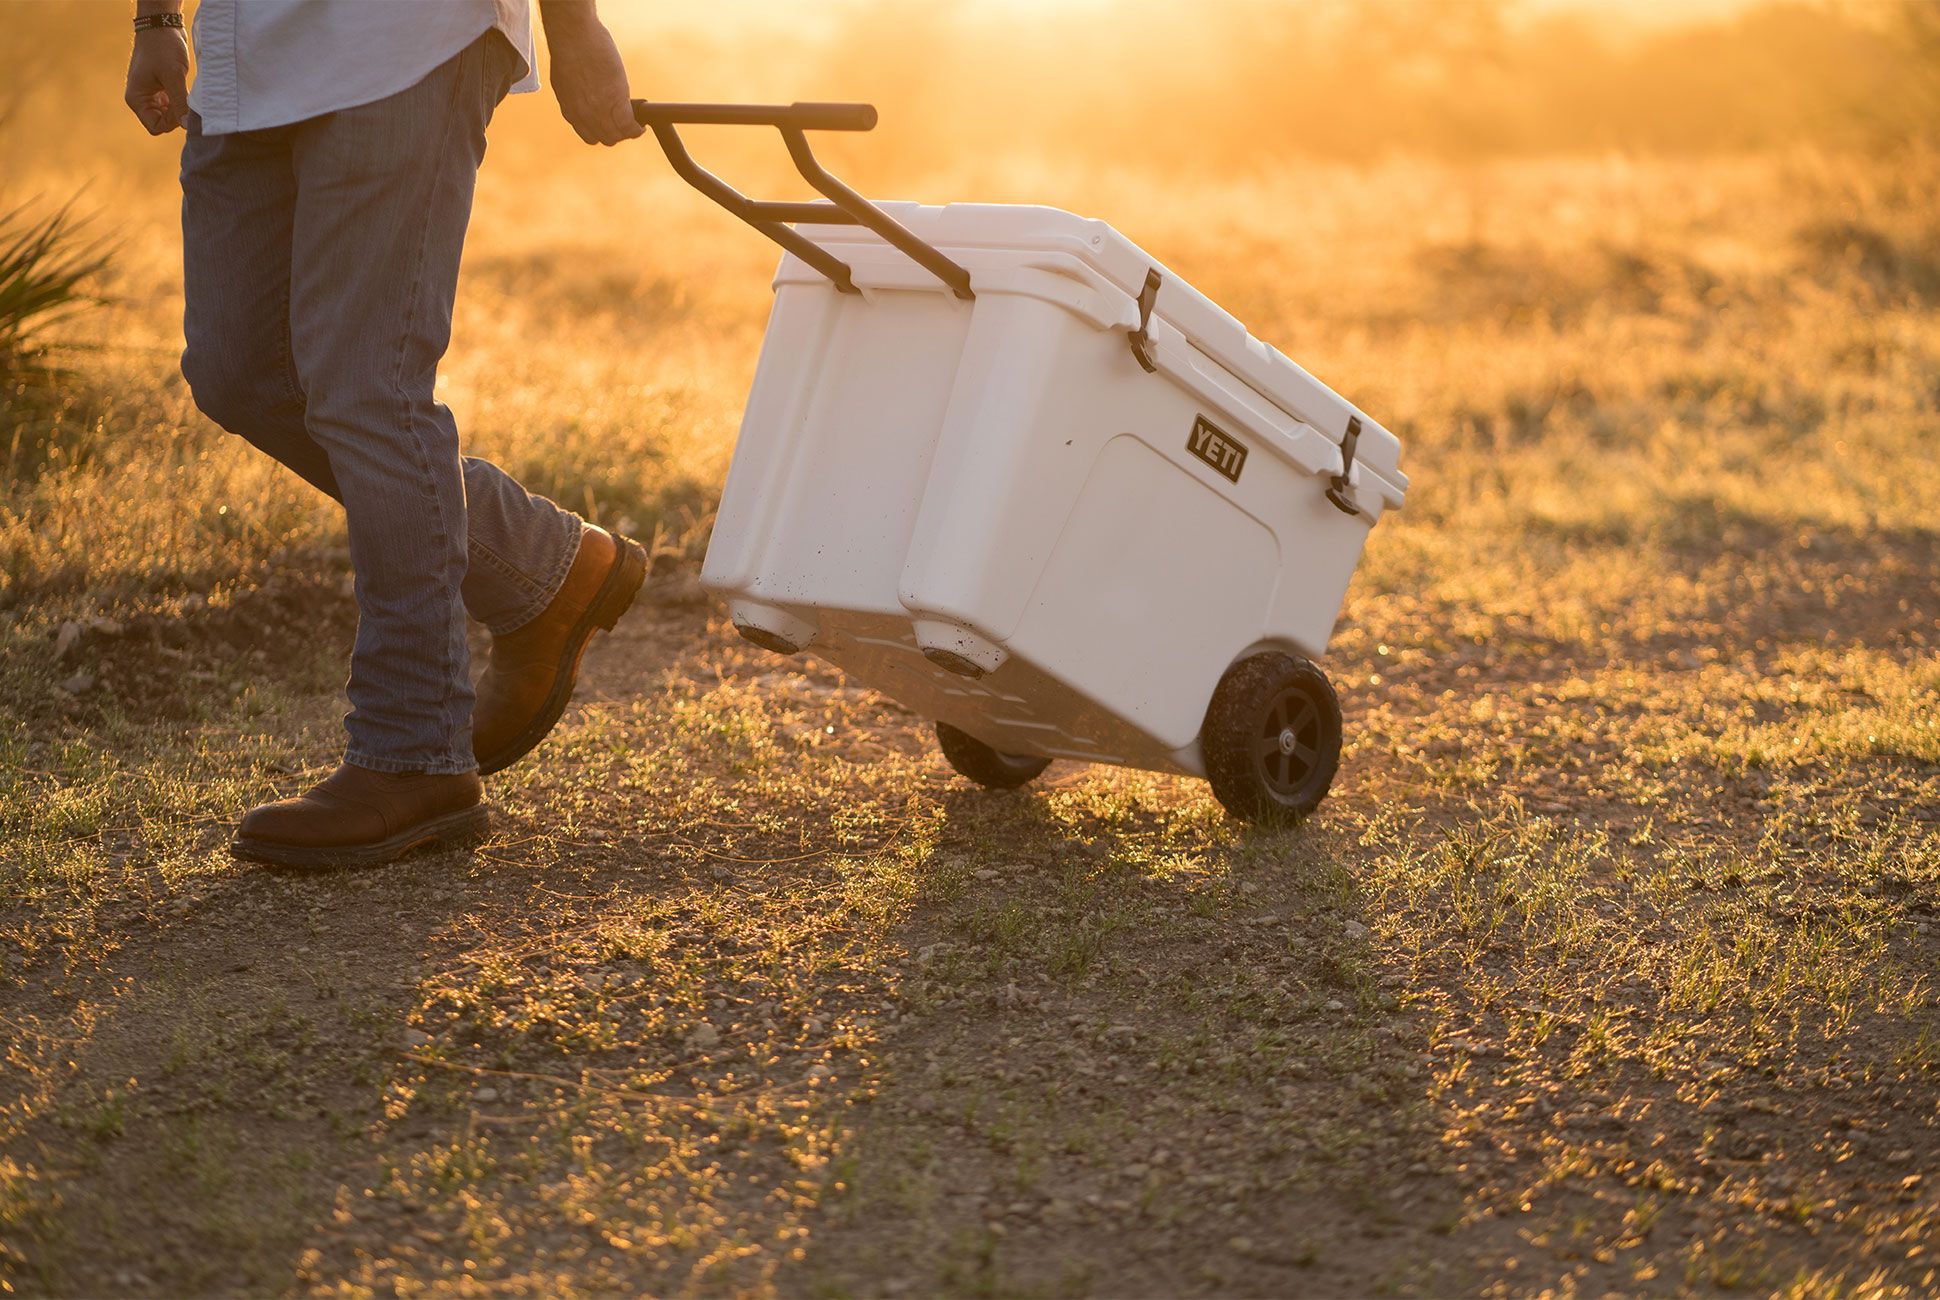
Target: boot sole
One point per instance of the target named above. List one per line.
(453, 830)
(614, 598)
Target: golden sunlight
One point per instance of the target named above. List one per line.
(1003, 782)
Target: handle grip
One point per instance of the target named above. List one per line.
(845, 206)
(804, 117)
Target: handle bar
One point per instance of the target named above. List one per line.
(845, 206)
(809, 117)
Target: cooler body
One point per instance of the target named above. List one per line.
(1005, 515)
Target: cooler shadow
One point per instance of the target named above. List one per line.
(1146, 1053)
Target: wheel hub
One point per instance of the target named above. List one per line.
(1289, 742)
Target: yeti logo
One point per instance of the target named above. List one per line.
(1217, 448)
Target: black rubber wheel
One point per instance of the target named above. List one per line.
(1272, 738)
(984, 765)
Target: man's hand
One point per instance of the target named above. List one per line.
(587, 74)
(158, 79)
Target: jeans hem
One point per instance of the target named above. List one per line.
(547, 589)
(481, 554)
(396, 766)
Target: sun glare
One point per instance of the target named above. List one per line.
(644, 16)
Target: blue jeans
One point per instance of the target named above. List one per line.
(321, 260)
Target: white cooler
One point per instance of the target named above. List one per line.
(1041, 490)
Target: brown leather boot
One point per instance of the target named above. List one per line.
(532, 670)
(360, 818)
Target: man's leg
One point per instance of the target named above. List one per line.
(539, 578)
(383, 198)
(238, 210)
(238, 204)
(384, 195)
(238, 214)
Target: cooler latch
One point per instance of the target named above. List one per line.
(1338, 492)
(1142, 336)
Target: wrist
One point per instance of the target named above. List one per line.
(159, 16)
(568, 18)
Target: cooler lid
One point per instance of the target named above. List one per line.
(1029, 229)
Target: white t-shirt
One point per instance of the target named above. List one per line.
(262, 63)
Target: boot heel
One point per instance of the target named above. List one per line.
(623, 586)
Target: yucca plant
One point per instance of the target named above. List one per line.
(45, 265)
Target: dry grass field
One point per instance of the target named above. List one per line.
(1608, 967)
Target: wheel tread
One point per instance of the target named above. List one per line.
(1235, 739)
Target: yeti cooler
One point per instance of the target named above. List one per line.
(1003, 466)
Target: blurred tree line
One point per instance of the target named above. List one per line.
(1182, 84)
(1224, 82)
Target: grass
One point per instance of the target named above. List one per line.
(45, 266)
(1607, 966)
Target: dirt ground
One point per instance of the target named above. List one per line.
(750, 995)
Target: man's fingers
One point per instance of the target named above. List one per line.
(625, 126)
(599, 126)
(149, 109)
(176, 83)
(613, 124)
(164, 114)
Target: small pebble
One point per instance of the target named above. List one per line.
(64, 640)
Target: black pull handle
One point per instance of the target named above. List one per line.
(808, 117)
(845, 206)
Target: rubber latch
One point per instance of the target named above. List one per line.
(1141, 338)
(1337, 493)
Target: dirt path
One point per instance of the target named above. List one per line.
(749, 995)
